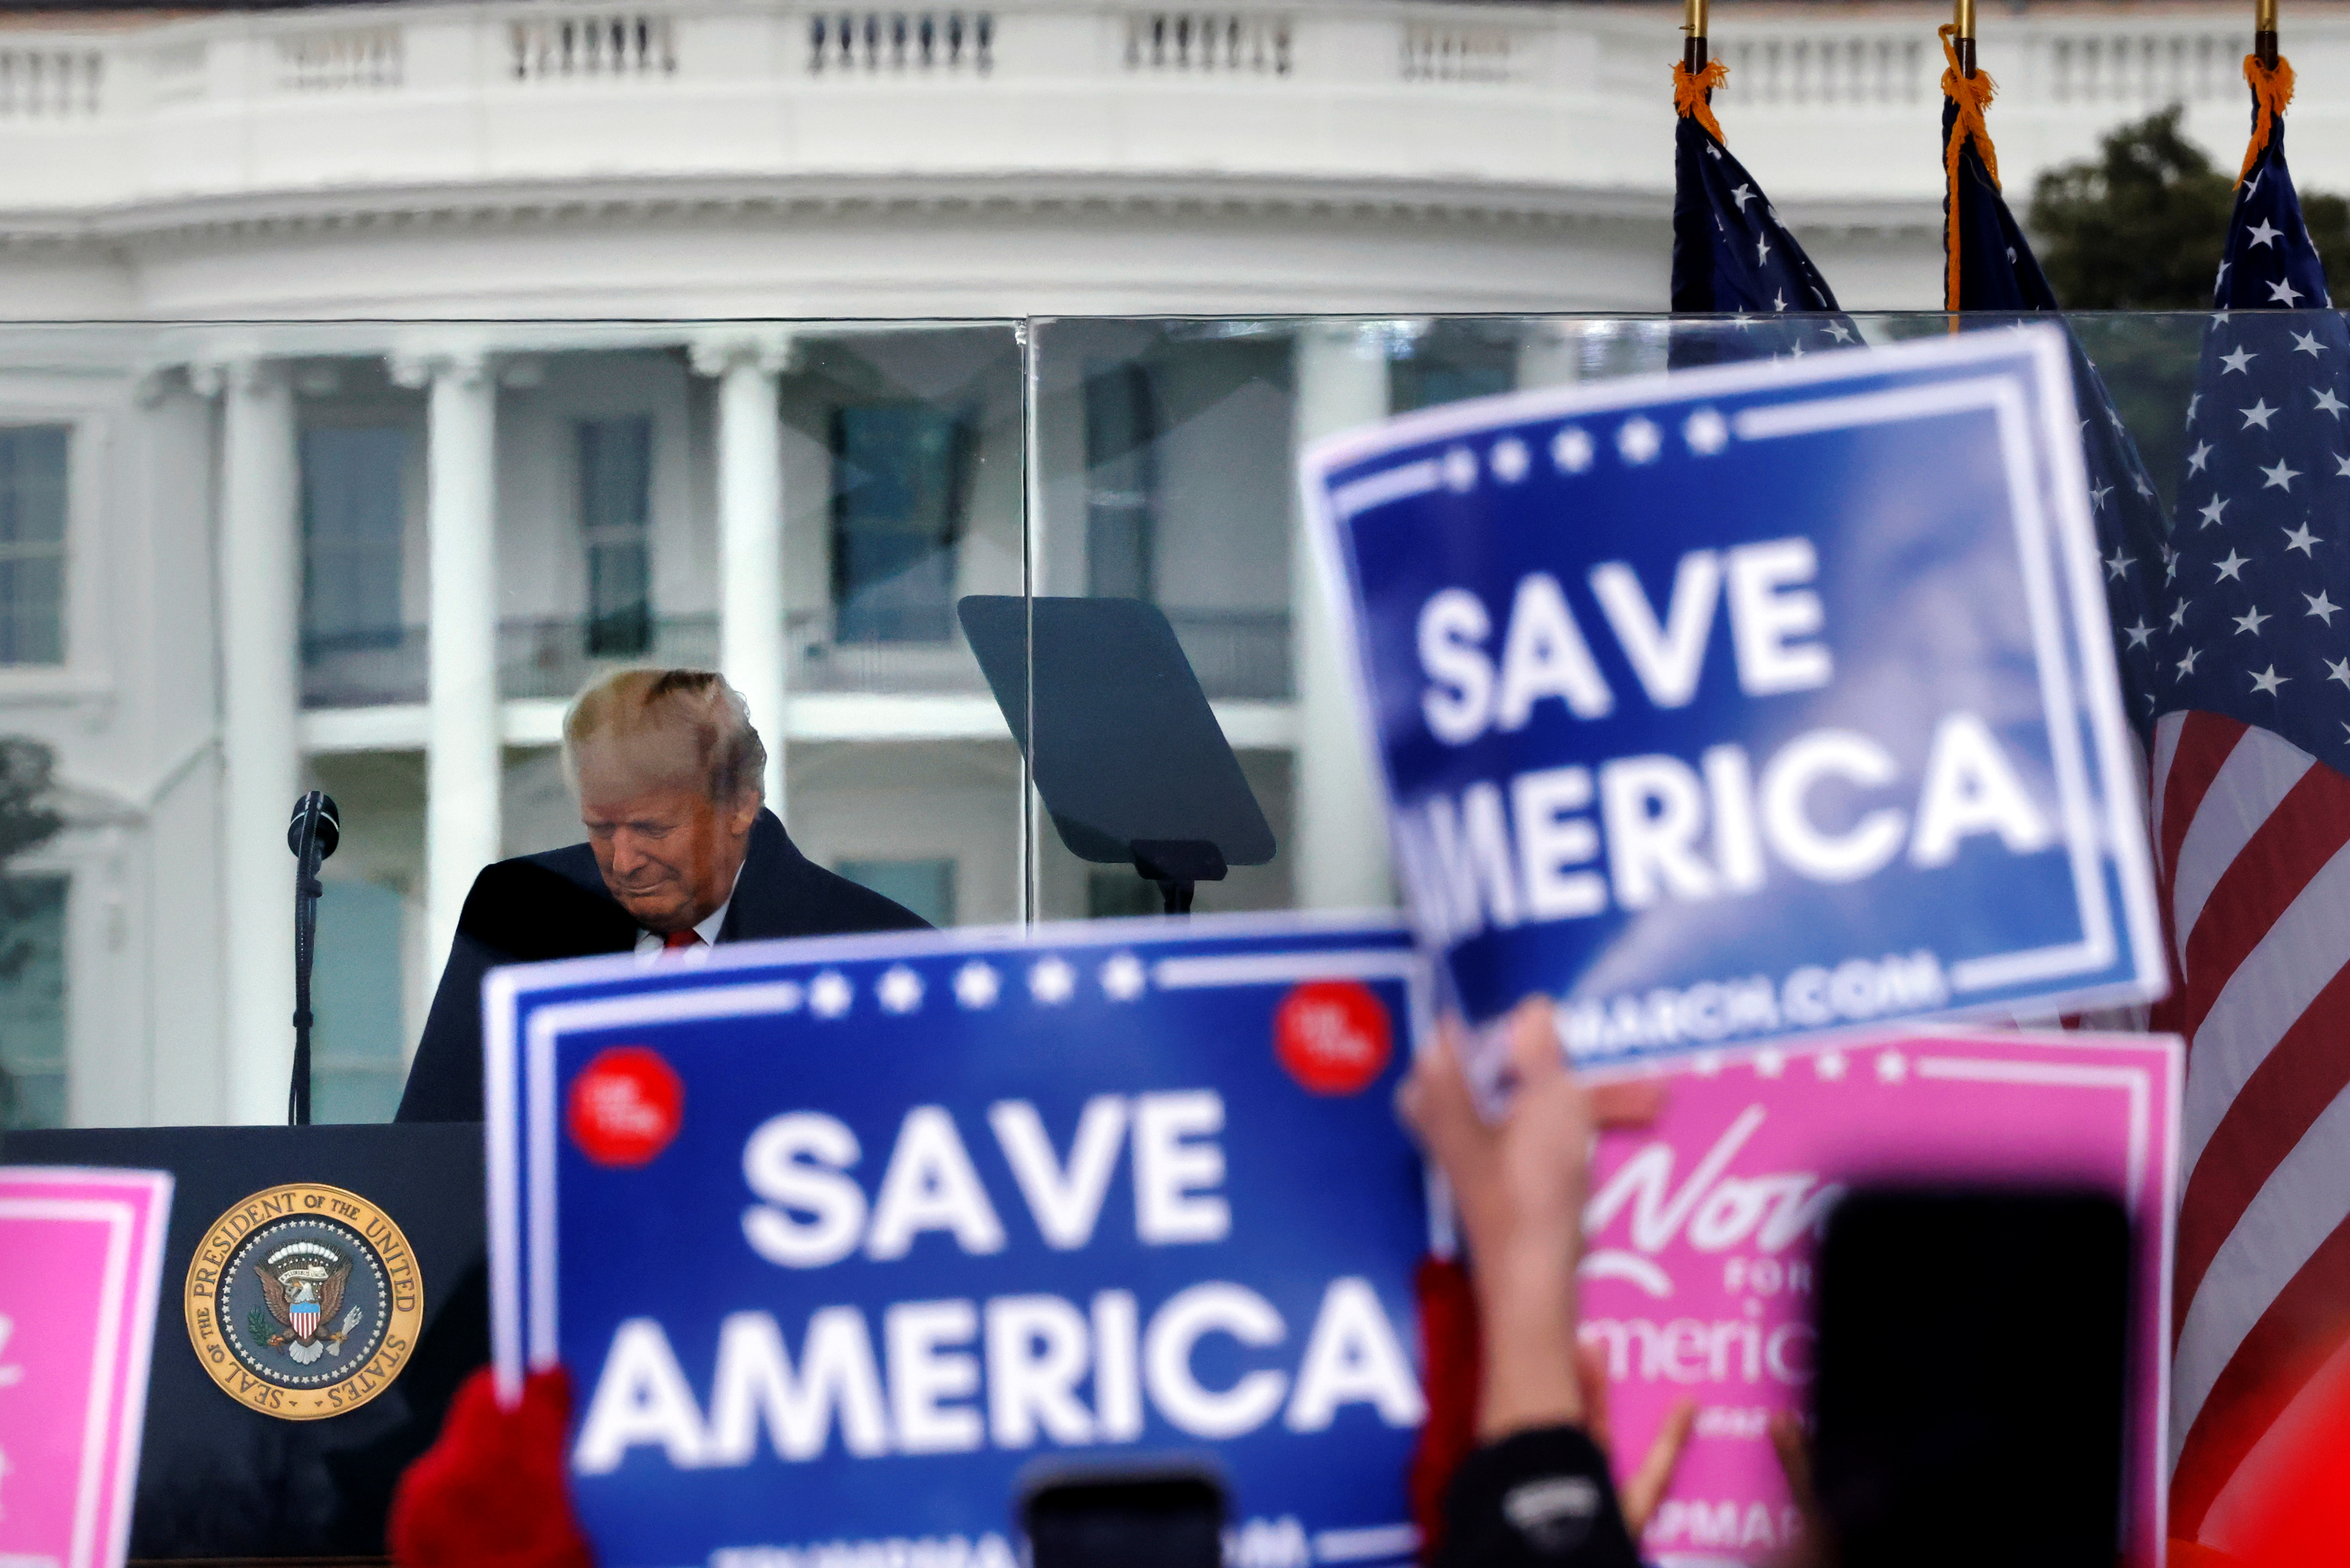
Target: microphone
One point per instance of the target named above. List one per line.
(312, 835)
(329, 831)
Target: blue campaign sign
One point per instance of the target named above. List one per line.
(1752, 701)
(838, 1239)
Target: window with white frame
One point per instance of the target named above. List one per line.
(33, 499)
(900, 481)
(616, 469)
(32, 1001)
(925, 887)
(356, 1069)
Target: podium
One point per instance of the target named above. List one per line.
(218, 1479)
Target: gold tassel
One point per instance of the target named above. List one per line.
(1690, 94)
(1972, 94)
(2272, 91)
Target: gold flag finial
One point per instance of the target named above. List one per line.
(1963, 30)
(1693, 24)
(2264, 32)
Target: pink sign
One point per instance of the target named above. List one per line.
(81, 1259)
(1697, 1281)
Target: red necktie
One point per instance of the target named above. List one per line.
(688, 937)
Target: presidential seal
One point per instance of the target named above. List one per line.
(304, 1302)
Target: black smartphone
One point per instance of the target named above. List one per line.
(1161, 1518)
(1969, 1396)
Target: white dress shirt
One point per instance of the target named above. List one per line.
(648, 942)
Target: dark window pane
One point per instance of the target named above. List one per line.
(899, 475)
(354, 520)
(615, 513)
(356, 1066)
(1122, 426)
(32, 1001)
(925, 887)
(33, 544)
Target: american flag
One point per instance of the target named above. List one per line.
(1996, 272)
(1732, 256)
(2251, 676)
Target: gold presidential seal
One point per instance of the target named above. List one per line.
(304, 1302)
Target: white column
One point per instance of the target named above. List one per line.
(1550, 354)
(1338, 843)
(750, 638)
(261, 590)
(461, 739)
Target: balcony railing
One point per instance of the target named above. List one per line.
(1568, 96)
(1237, 654)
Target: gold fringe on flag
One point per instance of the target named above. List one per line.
(1690, 94)
(1972, 94)
(2272, 91)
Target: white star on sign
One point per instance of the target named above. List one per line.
(830, 993)
(2178, 615)
(2259, 414)
(1509, 460)
(1891, 1067)
(2119, 563)
(2195, 459)
(2327, 403)
(2306, 343)
(2268, 680)
(2238, 360)
(1707, 432)
(2212, 509)
(2300, 539)
(2187, 665)
(977, 985)
(1461, 470)
(2338, 670)
(1122, 978)
(2250, 622)
(1829, 1064)
(900, 990)
(2324, 609)
(1769, 1063)
(2283, 293)
(2263, 235)
(1051, 982)
(1742, 195)
(1639, 440)
(1570, 449)
(2280, 477)
(2230, 566)
(2138, 633)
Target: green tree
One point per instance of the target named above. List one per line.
(26, 819)
(2139, 226)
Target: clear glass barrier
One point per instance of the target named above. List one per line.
(227, 554)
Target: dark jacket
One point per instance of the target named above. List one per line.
(555, 906)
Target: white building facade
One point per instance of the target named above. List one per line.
(384, 372)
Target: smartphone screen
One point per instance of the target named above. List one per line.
(1170, 1520)
(1970, 1388)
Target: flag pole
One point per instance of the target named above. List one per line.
(1693, 24)
(2264, 32)
(1964, 35)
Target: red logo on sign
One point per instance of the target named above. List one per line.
(626, 1105)
(1332, 1035)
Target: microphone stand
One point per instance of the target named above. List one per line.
(312, 836)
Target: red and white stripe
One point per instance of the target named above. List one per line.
(2252, 836)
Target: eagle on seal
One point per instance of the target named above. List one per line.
(303, 1284)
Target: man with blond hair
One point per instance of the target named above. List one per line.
(681, 851)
